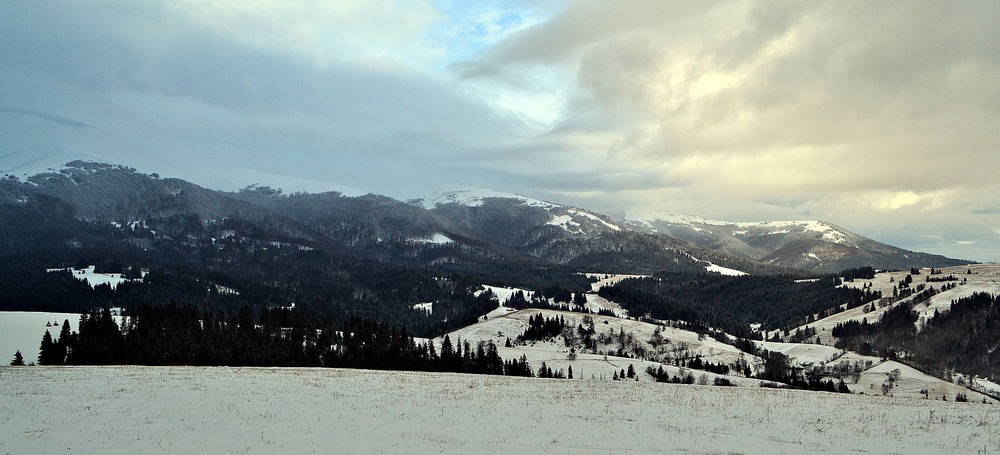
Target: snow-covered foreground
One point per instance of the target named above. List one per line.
(113, 410)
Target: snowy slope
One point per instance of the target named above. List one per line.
(122, 410)
(984, 278)
(827, 231)
(504, 324)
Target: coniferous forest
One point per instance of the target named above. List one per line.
(187, 335)
(732, 303)
(964, 338)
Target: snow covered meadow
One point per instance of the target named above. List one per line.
(23, 331)
(113, 410)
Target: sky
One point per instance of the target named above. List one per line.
(878, 116)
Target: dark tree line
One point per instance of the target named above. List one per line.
(573, 302)
(317, 288)
(540, 327)
(865, 273)
(188, 335)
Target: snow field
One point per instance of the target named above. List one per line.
(23, 331)
(117, 410)
(803, 353)
(724, 270)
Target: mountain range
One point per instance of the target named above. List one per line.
(469, 228)
(332, 255)
(806, 245)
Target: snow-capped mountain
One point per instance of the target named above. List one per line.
(570, 235)
(572, 220)
(466, 227)
(810, 245)
(173, 211)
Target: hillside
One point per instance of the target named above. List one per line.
(917, 322)
(605, 358)
(984, 278)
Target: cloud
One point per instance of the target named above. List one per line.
(237, 88)
(898, 200)
(862, 109)
(877, 116)
(44, 116)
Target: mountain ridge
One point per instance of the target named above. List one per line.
(810, 245)
(486, 223)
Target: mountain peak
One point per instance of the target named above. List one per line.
(471, 196)
(23, 165)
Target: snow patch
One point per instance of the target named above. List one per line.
(436, 239)
(426, 306)
(93, 278)
(566, 222)
(226, 290)
(595, 218)
(724, 270)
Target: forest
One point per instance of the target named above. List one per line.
(732, 303)
(964, 338)
(187, 335)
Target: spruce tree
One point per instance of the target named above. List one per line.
(18, 360)
(47, 354)
(64, 344)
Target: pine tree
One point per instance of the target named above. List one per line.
(18, 360)
(47, 354)
(447, 354)
(65, 344)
